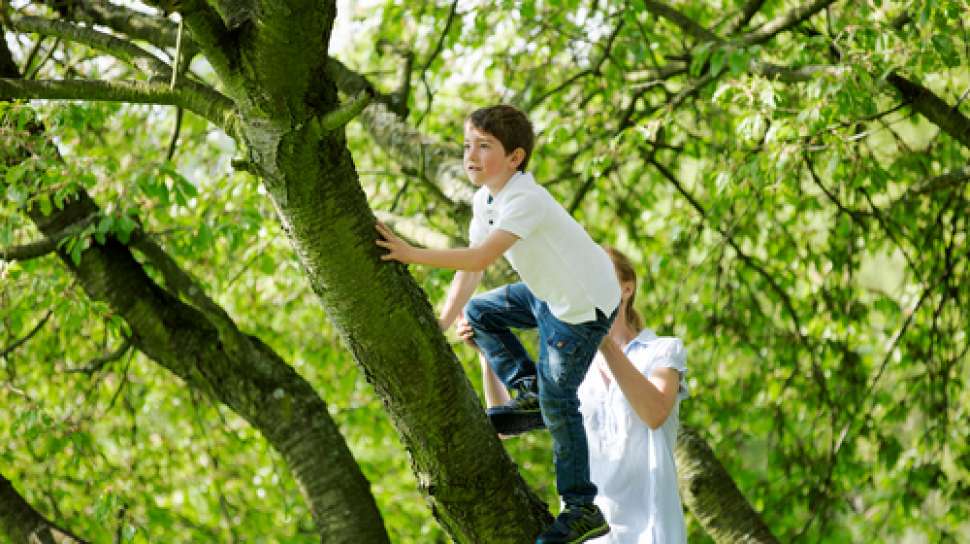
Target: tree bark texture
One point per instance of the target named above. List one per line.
(271, 59)
(24, 525)
(205, 348)
(710, 494)
(278, 76)
(236, 369)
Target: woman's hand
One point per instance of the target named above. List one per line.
(608, 344)
(397, 249)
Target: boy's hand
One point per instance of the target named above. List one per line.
(465, 332)
(397, 249)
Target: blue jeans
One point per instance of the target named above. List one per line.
(565, 352)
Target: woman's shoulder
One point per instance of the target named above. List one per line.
(648, 340)
(649, 351)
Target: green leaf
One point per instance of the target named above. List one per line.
(699, 59)
(124, 227)
(717, 60)
(889, 452)
(44, 201)
(104, 225)
(738, 62)
(943, 44)
(75, 249)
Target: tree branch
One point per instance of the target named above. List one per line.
(434, 53)
(181, 282)
(786, 21)
(121, 49)
(785, 299)
(21, 523)
(218, 110)
(948, 180)
(747, 13)
(684, 22)
(239, 370)
(713, 497)
(765, 33)
(153, 29)
(96, 364)
(800, 74)
(210, 34)
(436, 164)
(339, 117)
(26, 252)
(116, 47)
(935, 109)
(415, 230)
(7, 65)
(23, 340)
(594, 70)
(47, 245)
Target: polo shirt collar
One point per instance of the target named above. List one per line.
(516, 178)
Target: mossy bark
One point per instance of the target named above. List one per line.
(24, 525)
(236, 369)
(710, 493)
(211, 354)
(384, 318)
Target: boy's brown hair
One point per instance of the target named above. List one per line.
(509, 126)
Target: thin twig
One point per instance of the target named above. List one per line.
(7, 351)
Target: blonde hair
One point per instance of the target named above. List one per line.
(626, 273)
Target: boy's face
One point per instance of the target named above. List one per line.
(486, 160)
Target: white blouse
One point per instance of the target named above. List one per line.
(631, 464)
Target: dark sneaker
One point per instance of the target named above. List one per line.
(518, 415)
(575, 524)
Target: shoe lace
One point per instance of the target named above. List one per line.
(580, 519)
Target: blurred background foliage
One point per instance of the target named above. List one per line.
(806, 238)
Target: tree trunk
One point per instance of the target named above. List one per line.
(238, 370)
(205, 348)
(287, 104)
(271, 60)
(24, 525)
(708, 490)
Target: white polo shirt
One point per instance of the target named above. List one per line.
(554, 255)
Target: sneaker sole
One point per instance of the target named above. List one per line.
(593, 533)
(512, 423)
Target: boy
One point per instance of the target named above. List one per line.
(568, 290)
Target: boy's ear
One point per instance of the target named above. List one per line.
(517, 157)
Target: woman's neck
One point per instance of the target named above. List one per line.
(623, 333)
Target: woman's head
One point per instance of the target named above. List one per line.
(628, 285)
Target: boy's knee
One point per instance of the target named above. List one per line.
(474, 311)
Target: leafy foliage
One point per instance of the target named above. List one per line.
(789, 229)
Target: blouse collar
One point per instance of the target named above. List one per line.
(645, 336)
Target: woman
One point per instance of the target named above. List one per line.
(630, 404)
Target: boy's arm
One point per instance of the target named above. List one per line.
(462, 287)
(472, 258)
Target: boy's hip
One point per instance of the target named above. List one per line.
(570, 348)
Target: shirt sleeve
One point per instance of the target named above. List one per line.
(477, 231)
(521, 214)
(665, 353)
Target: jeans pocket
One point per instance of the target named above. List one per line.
(568, 360)
(565, 344)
